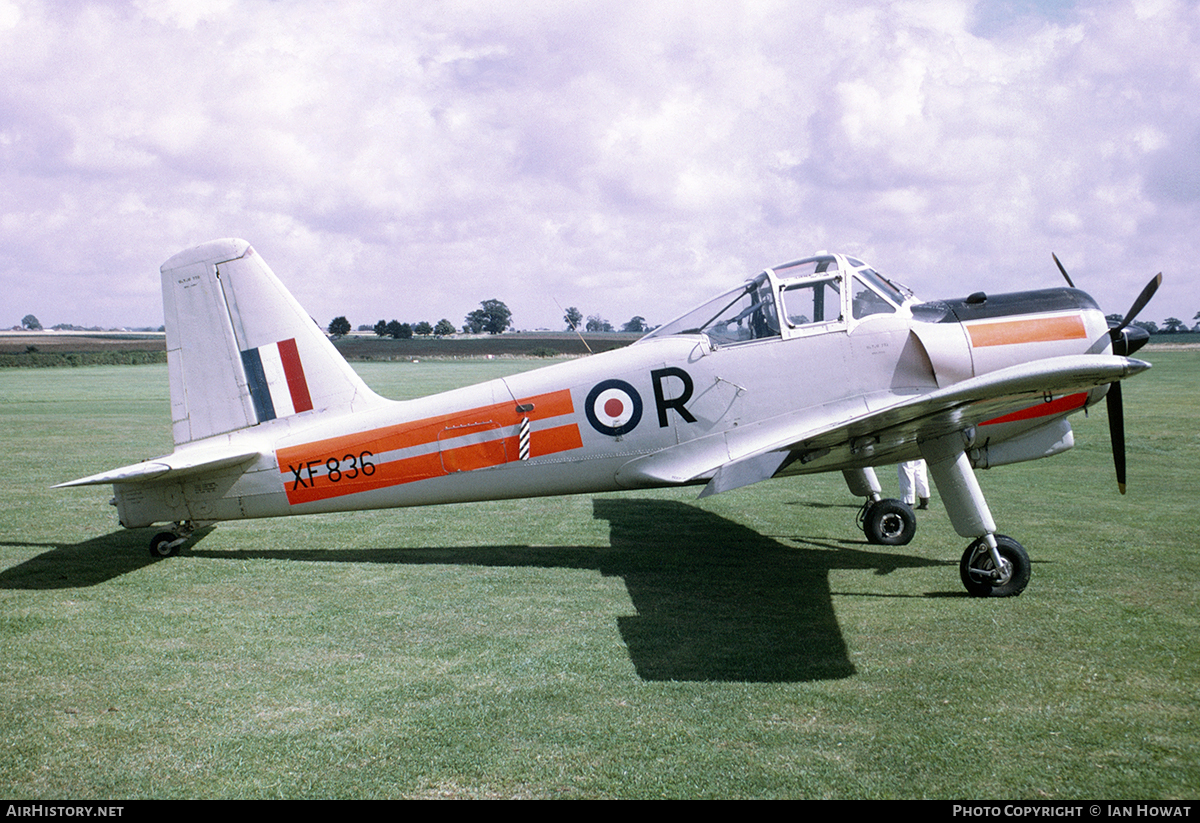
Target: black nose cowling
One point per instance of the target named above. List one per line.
(983, 306)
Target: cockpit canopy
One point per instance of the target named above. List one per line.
(794, 299)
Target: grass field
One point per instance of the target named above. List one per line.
(642, 645)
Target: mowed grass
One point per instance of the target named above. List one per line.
(640, 645)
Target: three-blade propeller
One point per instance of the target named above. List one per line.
(1125, 340)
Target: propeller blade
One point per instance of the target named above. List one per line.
(1116, 431)
(1061, 269)
(1124, 343)
(1138, 305)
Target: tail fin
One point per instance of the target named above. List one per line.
(241, 350)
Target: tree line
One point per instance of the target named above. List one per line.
(1172, 325)
(573, 317)
(492, 317)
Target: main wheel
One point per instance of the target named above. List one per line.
(160, 545)
(976, 569)
(889, 523)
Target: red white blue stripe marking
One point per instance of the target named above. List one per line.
(275, 377)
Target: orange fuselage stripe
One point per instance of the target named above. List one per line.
(356, 459)
(1029, 330)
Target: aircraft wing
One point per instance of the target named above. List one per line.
(756, 452)
(180, 464)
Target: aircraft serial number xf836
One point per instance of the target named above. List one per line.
(813, 366)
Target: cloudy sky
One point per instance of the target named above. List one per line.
(410, 159)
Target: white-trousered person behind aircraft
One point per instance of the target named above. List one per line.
(817, 365)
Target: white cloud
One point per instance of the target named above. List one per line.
(10, 14)
(408, 160)
(184, 14)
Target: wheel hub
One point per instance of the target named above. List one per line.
(1004, 574)
(986, 570)
(892, 525)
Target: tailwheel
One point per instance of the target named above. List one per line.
(979, 574)
(168, 544)
(165, 544)
(889, 523)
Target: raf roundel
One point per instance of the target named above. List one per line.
(613, 407)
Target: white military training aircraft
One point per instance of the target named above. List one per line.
(813, 366)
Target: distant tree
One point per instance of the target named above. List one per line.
(1172, 325)
(597, 323)
(398, 330)
(339, 326)
(30, 322)
(381, 328)
(492, 317)
(1148, 325)
(636, 324)
(423, 328)
(573, 318)
(443, 328)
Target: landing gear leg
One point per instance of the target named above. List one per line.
(993, 565)
(885, 522)
(168, 544)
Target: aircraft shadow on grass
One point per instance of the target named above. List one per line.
(715, 600)
(78, 565)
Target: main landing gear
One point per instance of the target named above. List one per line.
(885, 522)
(888, 522)
(983, 578)
(993, 565)
(168, 544)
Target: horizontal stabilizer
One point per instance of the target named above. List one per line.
(176, 465)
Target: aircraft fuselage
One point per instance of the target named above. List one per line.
(664, 411)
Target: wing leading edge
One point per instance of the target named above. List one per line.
(814, 435)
